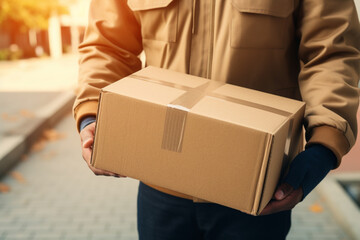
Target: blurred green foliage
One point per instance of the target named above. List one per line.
(4, 54)
(9, 54)
(28, 14)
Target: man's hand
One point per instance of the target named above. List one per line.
(306, 171)
(285, 198)
(87, 140)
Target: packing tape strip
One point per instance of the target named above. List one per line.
(176, 115)
(174, 127)
(177, 111)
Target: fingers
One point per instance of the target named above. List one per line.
(283, 191)
(286, 203)
(99, 172)
(96, 171)
(87, 135)
(86, 153)
(87, 140)
(87, 143)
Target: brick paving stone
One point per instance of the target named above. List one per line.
(6, 220)
(299, 237)
(49, 235)
(129, 236)
(76, 235)
(76, 238)
(19, 236)
(326, 237)
(36, 227)
(84, 220)
(123, 226)
(60, 219)
(93, 227)
(11, 228)
(66, 227)
(104, 235)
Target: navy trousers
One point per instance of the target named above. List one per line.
(165, 217)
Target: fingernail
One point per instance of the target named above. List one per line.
(279, 195)
(85, 143)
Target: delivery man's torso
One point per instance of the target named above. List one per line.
(251, 43)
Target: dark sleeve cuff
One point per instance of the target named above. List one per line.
(331, 138)
(86, 121)
(310, 167)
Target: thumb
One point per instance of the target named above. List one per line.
(283, 191)
(87, 136)
(87, 142)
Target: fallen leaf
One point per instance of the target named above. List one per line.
(9, 118)
(18, 177)
(53, 135)
(316, 208)
(4, 188)
(48, 135)
(26, 113)
(38, 145)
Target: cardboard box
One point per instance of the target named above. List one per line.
(214, 141)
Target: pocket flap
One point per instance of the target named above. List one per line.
(278, 8)
(138, 5)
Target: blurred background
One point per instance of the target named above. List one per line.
(41, 28)
(46, 189)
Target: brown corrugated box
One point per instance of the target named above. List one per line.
(214, 141)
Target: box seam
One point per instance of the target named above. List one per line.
(93, 153)
(262, 174)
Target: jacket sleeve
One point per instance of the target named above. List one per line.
(108, 52)
(329, 55)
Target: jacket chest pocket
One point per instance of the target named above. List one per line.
(259, 23)
(158, 18)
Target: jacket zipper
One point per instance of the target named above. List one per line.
(209, 65)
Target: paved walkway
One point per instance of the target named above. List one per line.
(52, 195)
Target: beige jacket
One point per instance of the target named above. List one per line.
(306, 49)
